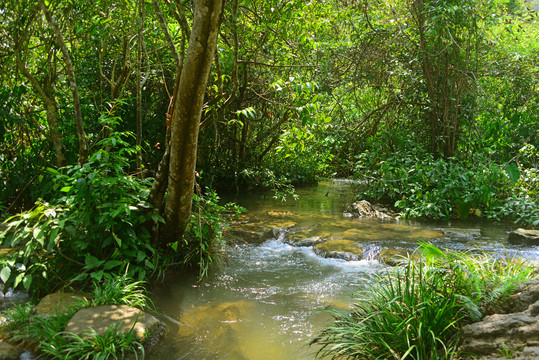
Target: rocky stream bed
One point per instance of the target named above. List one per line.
(511, 332)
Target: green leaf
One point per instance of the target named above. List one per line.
(97, 275)
(118, 240)
(18, 280)
(5, 274)
(80, 277)
(81, 183)
(513, 172)
(141, 255)
(65, 189)
(92, 262)
(26, 282)
(111, 264)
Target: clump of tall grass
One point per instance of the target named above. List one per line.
(112, 345)
(120, 290)
(416, 311)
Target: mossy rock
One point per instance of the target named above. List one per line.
(248, 234)
(396, 257)
(340, 249)
(58, 303)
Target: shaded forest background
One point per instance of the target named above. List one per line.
(434, 103)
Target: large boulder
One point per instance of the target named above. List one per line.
(515, 333)
(126, 318)
(524, 237)
(340, 249)
(363, 208)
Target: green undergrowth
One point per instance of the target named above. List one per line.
(45, 335)
(416, 311)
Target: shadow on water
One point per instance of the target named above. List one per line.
(266, 301)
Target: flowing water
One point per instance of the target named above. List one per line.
(267, 300)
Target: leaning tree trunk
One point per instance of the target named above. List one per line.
(185, 119)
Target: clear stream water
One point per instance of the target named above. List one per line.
(267, 300)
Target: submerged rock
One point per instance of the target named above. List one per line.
(340, 249)
(467, 234)
(217, 318)
(363, 208)
(228, 332)
(101, 318)
(524, 237)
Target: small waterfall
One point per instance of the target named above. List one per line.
(371, 252)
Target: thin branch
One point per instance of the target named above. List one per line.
(273, 65)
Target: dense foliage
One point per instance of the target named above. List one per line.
(433, 103)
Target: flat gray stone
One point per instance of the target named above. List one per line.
(517, 333)
(101, 318)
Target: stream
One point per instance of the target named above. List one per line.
(267, 300)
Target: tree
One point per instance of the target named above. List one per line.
(178, 165)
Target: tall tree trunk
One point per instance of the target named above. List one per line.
(83, 144)
(185, 119)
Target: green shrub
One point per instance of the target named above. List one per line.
(28, 330)
(120, 290)
(46, 334)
